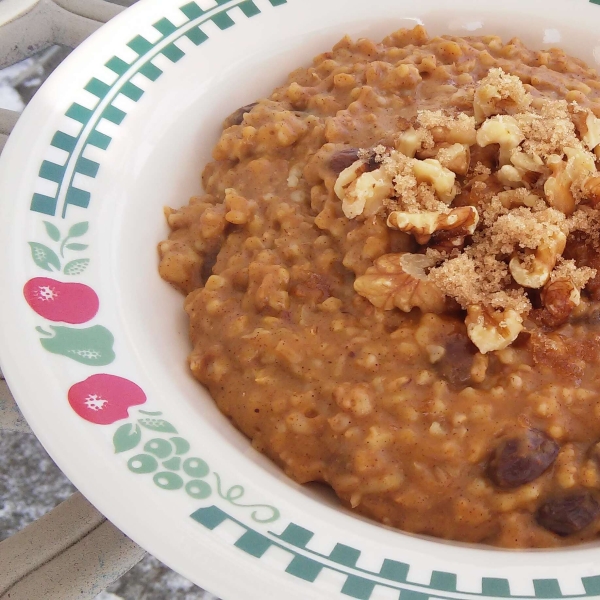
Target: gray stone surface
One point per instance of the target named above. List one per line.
(31, 485)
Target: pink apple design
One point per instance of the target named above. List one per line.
(54, 300)
(104, 399)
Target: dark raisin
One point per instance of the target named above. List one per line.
(521, 459)
(455, 365)
(237, 116)
(344, 158)
(568, 514)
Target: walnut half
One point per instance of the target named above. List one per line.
(399, 280)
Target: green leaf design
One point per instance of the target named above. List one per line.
(76, 267)
(127, 437)
(52, 231)
(43, 257)
(78, 229)
(77, 247)
(157, 425)
(91, 346)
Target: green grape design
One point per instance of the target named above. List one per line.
(164, 458)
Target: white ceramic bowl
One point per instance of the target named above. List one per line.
(122, 128)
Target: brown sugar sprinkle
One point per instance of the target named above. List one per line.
(500, 93)
(549, 130)
(541, 168)
(567, 269)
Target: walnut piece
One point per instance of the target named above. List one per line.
(535, 272)
(559, 298)
(399, 280)
(456, 157)
(591, 137)
(558, 187)
(361, 191)
(520, 197)
(510, 176)
(422, 225)
(591, 190)
(412, 140)
(441, 179)
(564, 184)
(504, 131)
(499, 93)
(491, 329)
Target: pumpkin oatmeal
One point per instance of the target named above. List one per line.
(393, 284)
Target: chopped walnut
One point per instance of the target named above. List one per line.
(423, 225)
(500, 93)
(520, 197)
(491, 329)
(546, 187)
(535, 272)
(449, 128)
(591, 190)
(559, 298)
(527, 161)
(412, 140)
(361, 191)
(588, 125)
(448, 241)
(504, 131)
(563, 188)
(400, 280)
(457, 158)
(558, 187)
(510, 176)
(442, 179)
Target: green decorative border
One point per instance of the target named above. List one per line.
(87, 120)
(360, 583)
(305, 564)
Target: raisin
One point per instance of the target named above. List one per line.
(568, 514)
(519, 460)
(455, 365)
(237, 116)
(344, 158)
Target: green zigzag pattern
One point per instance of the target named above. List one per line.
(307, 564)
(63, 175)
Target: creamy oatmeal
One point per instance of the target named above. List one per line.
(393, 284)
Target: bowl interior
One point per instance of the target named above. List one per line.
(169, 140)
